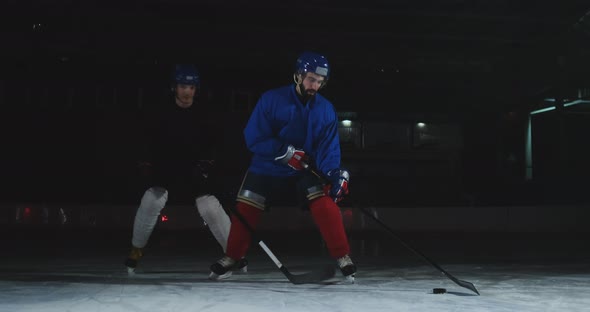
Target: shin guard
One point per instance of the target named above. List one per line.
(146, 217)
(328, 219)
(215, 217)
(239, 236)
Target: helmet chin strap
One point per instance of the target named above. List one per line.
(298, 82)
(304, 97)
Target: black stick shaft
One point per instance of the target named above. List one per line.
(457, 281)
(305, 278)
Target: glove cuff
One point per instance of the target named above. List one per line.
(338, 174)
(284, 159)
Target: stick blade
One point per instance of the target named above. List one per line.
(467, 285)
(313, 277)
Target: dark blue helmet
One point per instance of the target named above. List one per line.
(311, 62)
(186, 74)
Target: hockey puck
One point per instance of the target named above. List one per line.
(439, 290)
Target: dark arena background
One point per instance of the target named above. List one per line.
(464, 125)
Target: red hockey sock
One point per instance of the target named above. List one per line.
(239, 238)
(328, 218)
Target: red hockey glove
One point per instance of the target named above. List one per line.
(296, 159)
(339, 183)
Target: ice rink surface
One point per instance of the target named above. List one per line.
(81, 271)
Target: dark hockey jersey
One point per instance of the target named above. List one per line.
(177, 139)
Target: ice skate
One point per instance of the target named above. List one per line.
(241, 266)
(222, 269)
(347, 268)
(131, 262)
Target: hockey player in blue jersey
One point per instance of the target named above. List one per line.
(179, 157)
(291, 127)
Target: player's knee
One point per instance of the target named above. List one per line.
(154, 198)
(207, 204)
(249, 212)
(157, 192)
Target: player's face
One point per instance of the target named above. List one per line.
(312, 83)
(185, 95)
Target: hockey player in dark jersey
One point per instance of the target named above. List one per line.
(291, 127)
(179, 157)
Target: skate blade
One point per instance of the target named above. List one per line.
(350, 279)
(339, 280)
(217, 277)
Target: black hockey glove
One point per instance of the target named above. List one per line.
(203, 167)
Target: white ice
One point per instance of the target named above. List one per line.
(176, 282)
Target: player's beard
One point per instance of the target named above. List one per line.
(306, 94)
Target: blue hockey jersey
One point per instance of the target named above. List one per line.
(280, 119)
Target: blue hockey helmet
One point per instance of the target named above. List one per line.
(311, 62)
(186, 74)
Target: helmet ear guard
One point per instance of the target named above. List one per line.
(297, 78)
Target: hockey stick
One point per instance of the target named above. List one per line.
(457, 281)
(313, 277)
